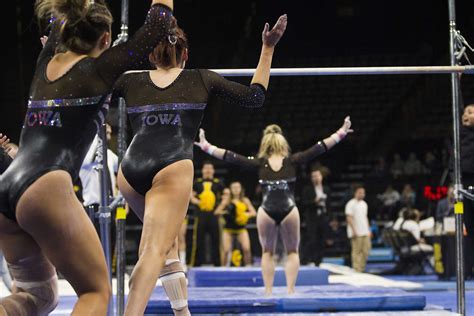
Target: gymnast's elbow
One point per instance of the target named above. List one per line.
(256, 99)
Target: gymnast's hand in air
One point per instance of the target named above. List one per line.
(269, 40)
(346, 126)
(340, 134)
(271, 37)
(203, 143)
(208, 147)
(43, 40)
(4, 140)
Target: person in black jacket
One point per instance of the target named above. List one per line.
(314, 200)
(467, 175)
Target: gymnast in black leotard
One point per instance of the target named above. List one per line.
(171, 116)
(277, 175)
(41, 221)
(165, 108)
(5, 161)
(66, 112)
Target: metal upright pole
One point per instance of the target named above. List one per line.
(457, 163)
(121, 218)
(122, 146)
(104, 209)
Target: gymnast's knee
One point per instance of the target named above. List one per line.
(32, 297)
(268, 252)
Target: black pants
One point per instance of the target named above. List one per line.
(206, 223)
(314, 236)
(468, 180)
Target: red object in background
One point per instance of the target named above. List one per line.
(435, 193)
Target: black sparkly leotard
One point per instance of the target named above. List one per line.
(165, 121)
(63, 115)
(278, 187)
(5, 161)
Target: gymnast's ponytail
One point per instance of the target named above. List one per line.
(273, 142)
(169, 53)
(83, 22)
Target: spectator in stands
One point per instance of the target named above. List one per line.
(236, 210)
(206, 196)
(431, 163)
(314, 200)
(380, 169)
(408, 197)
(358, 229)
(348, 193)
(89, 173)
(445, 152)
(390, 199)
(336, 239)
(412, 165)
(397, 167)
(445, 207)
(325, 171)
(409, 221)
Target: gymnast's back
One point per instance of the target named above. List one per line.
(64, 113)
(165, 120)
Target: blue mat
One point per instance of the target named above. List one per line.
(430, 282)
(330, 298)
(381, 255)
(334, 260)
(250, 276)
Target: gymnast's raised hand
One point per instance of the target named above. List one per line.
(271, 37)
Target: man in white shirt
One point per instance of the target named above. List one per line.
(358, 229)
(90, 175)
(409, 221)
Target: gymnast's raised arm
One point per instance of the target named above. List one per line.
(242, 95)
(133, 54)
(224, 154)
(324, 145)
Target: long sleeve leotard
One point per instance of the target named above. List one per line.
(165, 120)
(278, 187)
(64, 114)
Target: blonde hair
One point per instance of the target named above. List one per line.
(273, 142)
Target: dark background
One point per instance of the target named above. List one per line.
(227, 34)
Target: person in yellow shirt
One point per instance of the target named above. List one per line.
(236, 209)
(206, 195)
